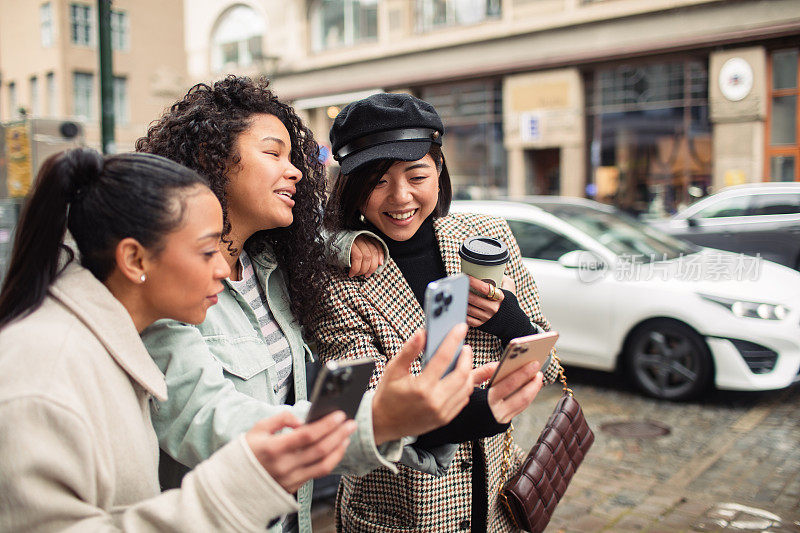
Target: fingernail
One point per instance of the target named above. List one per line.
(339, 417)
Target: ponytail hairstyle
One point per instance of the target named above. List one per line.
(100, 201)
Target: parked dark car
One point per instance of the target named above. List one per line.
(759, 218)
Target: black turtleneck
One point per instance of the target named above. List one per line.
(420, 261)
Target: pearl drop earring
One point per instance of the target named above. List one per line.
(362, 219)
(142, 278)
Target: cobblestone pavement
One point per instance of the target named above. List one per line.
(730, 462)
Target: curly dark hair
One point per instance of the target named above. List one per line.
(200, 131)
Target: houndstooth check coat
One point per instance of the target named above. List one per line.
(373, 317)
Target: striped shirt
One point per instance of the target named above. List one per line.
(277, 345)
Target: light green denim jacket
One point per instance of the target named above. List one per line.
(220, 379)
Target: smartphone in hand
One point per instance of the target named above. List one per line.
(445, 307)
(524, 350)
(339, 387)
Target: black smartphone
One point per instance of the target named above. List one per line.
(339, 387)
(445, 307)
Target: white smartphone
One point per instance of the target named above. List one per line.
(339, 387)
(524, 350)
(445, 307)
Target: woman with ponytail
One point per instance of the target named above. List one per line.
(77, 448)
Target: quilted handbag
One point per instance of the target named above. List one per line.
(531, 495)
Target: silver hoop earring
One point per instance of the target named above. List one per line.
(142, 278)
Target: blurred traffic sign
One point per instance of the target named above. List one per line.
(324, 153)
(18, 150)
(530, 127)
(28, 143)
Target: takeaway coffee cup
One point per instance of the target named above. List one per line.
(484, 258)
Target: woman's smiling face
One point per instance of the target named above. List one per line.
(403, 198)
(261, 187)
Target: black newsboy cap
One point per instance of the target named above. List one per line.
(384, 126)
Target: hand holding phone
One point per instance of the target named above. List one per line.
(340, 387)
(445, 307)
(524, 350)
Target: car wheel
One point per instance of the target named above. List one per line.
(669, 360)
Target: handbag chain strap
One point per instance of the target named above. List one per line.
(562, 377)
(509, 438)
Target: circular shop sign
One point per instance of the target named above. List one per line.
(735, 79)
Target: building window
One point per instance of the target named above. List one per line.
(46, 24)
(13, 105)
(650, 135)
(83, 95)
(34, 101)
(81, 24)
(50, 81)
(340, 23)
(121, 115)
(237, 39)
(473, 116)
(431, 14)
(783, 145)
(120, 31)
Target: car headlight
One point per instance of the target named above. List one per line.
(743, 308)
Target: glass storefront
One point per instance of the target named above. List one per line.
(650, 135)
(472, 113)
(783, 145)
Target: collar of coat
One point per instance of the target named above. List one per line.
(92, 303)
(389, 285)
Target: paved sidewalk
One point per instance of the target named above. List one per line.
(731, 462)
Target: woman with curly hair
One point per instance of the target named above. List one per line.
(246, 361)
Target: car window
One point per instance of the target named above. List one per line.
(538, 242)
(620, 233)
(735, 206)
(775, 204)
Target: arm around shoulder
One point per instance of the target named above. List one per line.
(338, 247)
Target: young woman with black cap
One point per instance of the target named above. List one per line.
(394, 182)
(247, 359)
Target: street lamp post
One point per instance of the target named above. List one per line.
(106, 76)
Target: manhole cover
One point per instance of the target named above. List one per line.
(635, 429)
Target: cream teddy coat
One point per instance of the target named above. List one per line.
(77, 449)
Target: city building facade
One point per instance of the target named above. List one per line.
(646, 105)
(49, 63)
